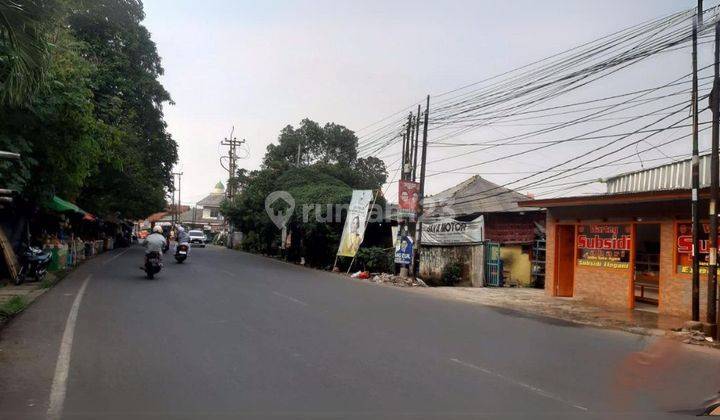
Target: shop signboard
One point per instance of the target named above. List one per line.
(448, 231)
(604, 245)
(683, 243)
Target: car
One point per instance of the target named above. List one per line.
(197, 237)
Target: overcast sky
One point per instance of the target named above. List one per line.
(260, 65)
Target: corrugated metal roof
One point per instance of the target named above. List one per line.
(475, 195)
(671, 176)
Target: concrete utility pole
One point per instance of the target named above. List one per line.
(697, 23)
(415, 149)
(232, 143)
(711, 317)
(421, 208)
(179, 190)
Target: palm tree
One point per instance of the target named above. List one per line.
(23, 48)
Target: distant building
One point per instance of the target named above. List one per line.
(210, 209)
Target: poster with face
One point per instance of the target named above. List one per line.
(404, 250)
(604, 245)
(409, 194)
(354, 229)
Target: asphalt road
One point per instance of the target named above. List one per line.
(232, 335)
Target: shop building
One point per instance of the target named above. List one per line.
(510, 230)
(630, 247)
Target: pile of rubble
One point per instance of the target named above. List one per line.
(691, 333)
(391, 279)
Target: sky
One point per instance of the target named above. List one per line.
(259, 66)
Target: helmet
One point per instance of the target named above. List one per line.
(158, 229)
(180, 228)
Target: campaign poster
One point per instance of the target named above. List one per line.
(404, 250)
(604, 245)
(408, 198)
(354, 229)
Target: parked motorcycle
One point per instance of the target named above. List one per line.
(153, 264)
(34, 262)
(181, 252)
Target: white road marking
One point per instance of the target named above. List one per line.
(115, 256)
(529, 387)
(62, 368)
(291, 298)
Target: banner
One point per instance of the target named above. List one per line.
(354, 229)
(408, 198)
(448, 231)
(683, 242)
(604, 245)
(404, 250)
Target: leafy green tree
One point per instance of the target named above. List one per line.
(325, 174)
(24, 48)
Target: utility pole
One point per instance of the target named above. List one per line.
(421, 209)
(697, 22)
(712, 248)
(406, 157)
(179, 200)
(232, 143)
(415, 151)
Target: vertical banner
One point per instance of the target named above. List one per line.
(354, 229)
(408, 197)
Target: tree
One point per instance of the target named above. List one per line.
(24, 49)
(325, 174)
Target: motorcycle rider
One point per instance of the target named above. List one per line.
(155, 242)
(182, 237)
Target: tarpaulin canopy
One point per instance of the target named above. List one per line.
(62, 206)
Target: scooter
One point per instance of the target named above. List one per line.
(34, 262)
(153, 264)
(181, 252)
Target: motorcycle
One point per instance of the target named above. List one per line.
(181, 252)
(153, 264)
(34, 262)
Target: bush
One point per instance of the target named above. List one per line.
(375, 259)
(451, 274)
(13, 306)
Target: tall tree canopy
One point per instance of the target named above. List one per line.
(317, 165)
(93, 131)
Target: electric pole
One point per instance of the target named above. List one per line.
(697, 22)
(415, 149)
(714, 174)
(179, 190)
(232, 143)
(421, 208)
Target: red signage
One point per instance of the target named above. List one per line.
(683, 241)
(408, 197)
(604, 245)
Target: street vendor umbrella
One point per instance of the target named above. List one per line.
(62, 206)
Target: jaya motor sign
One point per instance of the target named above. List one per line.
(684, 245)
(448, 231)
(604, 245)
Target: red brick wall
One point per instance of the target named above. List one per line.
(613, 287)
(512, 228)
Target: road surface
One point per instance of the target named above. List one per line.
(231, 335)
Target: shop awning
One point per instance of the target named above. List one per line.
(62, 206)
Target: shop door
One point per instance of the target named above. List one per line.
(564, 260)
(647, 265)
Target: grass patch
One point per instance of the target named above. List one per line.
(12, 307)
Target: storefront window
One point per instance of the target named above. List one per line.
(604, 245)
(683, 241)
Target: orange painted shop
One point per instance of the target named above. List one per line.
(630, 247)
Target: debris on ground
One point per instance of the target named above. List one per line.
(386, 278)
(691, 336)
